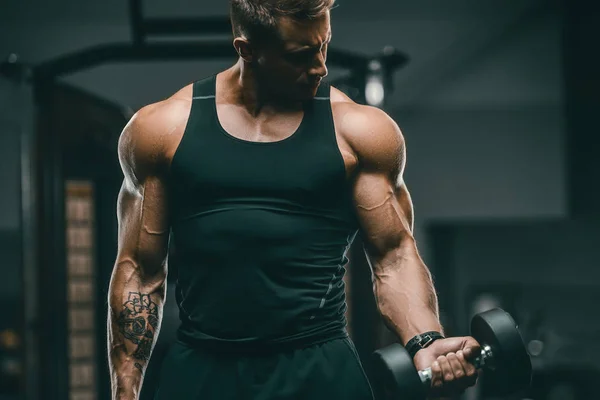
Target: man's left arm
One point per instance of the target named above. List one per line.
(403, 285)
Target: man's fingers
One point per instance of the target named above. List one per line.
(436, 375)
(456, 366)
(471, 352)
(463, 380)
(469, 368)
(447, 372)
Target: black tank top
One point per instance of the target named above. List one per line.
(260, 231)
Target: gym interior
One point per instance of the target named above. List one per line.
(498, 105)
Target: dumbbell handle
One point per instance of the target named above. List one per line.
(484, 359)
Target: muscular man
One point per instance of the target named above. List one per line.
(262, 176)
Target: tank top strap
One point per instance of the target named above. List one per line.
(323, 92)
(204, 89)
(318, 113)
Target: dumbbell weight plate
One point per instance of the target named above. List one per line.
(511, 363)
(395, 374)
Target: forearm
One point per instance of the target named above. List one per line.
(405, 293)
(134, 318)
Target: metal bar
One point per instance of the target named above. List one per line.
(186, 26)
(30, 235)
(393, 59)
(136, 18)
(124, 52)
(347, 59)
(54, 382)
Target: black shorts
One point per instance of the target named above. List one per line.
(326, 371)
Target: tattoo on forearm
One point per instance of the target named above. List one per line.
(138, 323)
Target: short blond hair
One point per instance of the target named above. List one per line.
(257, 19)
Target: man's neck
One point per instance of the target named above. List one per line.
(243, 88)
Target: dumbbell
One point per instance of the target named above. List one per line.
(503, 359)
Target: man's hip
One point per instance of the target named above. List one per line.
(325, 371)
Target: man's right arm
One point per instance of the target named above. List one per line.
(137, 286)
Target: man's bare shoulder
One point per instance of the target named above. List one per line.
(164, 117)
(155, 130)
(370, 131)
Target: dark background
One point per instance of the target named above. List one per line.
(498, 105)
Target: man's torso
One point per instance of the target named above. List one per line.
(262, 222)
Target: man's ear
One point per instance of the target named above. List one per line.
(244, 49)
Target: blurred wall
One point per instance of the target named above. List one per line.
(488, 142)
